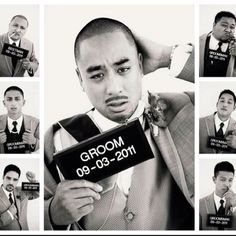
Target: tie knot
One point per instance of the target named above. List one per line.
(14, 130)
(14, 44)
(220, 43)
(221, 202)
(222, 125)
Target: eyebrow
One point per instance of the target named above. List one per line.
(91, 69)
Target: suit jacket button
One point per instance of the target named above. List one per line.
(130, 216)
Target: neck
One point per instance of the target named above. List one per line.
(15, 116)
(219, 194)
(222, 118)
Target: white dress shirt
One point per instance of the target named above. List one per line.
(217, 201)
(18, 126)
(214, 44)
(218, 122)
(16, 42)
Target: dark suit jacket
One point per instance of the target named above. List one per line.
(31, 123)
(202, 47)
(207, 128)
(6, 64)
(207, 206)
(19, 222)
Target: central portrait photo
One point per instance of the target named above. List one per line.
(119, 117)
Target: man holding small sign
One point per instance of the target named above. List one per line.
(19, 133)
(218, 48)
(14, 200)
(217, 210)
(147, 193)
(17, 54)
(217, 132)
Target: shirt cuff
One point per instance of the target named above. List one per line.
(179, 58)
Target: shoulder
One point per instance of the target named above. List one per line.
(203, 36)
(26, 41)
(176, 101)
(31, 118)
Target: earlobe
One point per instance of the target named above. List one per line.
(214, 179)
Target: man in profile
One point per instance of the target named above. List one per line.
(219, 128)
(14, 201)
(222, 201)
(148, 196)
(11, 66)
(218, 48)
(19, 133)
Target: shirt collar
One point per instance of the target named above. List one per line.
(217, 201)
(19, 123)
(16, 42)
(218, 121)
(213, 44)
(105, 124)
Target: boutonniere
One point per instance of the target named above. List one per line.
(156, 112)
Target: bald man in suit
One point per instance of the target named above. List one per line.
(156, 191)
(17, 68)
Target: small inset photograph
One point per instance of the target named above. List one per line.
(19, 194)
(217, 193)
(217, 40)
(19, 117)
(19, 41)
(217, 125)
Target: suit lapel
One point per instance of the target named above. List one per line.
(4, 199)
(210, 204)
(180, 166)
(8, 59)
(17, 199)
(231, 126)
(27, 123)
(210, 125)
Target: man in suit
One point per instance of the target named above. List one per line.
(19, 133)
(154, 195)
(14, 201)
(222, 201)
(9, 66)
(220, 125)
(218, 48)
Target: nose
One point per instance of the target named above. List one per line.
(228, 29)
(114, 84)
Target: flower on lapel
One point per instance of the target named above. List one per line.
(156, 110)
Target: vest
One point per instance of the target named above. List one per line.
(155, 202)
(14, 143)
(215, 63)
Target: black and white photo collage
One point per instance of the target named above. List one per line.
(117, 118)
